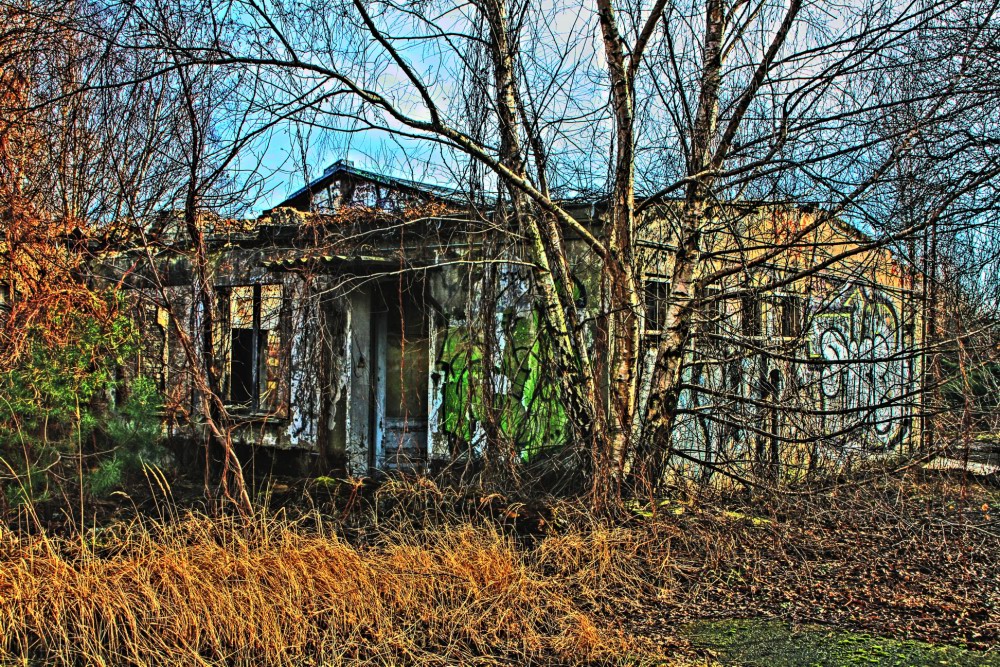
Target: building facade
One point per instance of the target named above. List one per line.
(368, 323)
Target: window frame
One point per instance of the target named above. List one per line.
(757, 306)
(715, 314)
(256, 405)
(781, 302)
(659, 301)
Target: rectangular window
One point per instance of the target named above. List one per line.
(162, 337)
(255, 347)
(657, 293)
(750, 315)
(792, 313)
(151, 358)
(716, 313)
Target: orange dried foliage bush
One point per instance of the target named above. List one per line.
(41, 249)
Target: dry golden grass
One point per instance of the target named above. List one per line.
(438, 579)
(263, 591)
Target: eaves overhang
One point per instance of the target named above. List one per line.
(356, 264)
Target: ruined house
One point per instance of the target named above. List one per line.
(359, 322)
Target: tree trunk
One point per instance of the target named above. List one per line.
(623, 290)
(668, 370)
(550, 267)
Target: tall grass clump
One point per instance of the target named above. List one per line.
(204, 590)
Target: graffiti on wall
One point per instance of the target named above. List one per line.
(525, 397)
(856, 396)
(865, 383)
(500, 373)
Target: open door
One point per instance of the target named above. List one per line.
(401, 352)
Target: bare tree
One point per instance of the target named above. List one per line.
(108, 166)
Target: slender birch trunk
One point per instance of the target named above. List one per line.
(550, 268)
(623, 290)
(667, 373)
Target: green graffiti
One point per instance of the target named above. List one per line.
(461, 405)
(527, 400)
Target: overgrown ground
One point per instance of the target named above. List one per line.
(414, 575)
(767, 643)
(914, 557)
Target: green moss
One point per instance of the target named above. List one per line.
(775, 644)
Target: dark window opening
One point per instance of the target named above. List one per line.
(255, 353)
(715, 312)
(750, 315)
(657, 294)
(792, 310)
(244, 380)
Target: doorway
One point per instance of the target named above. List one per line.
(400, 384)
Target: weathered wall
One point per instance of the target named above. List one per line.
(849, 368)
(359, 436)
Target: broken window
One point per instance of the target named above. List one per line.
(162, 337)
(255, 350)
(152, 358)
(716, 313)
(657, 293)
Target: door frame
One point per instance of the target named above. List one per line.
(378, 375)
(376, 412)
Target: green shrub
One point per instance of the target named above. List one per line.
(56, 402)
(106, 477)
(133, 431)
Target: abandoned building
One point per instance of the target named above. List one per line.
(359, 321)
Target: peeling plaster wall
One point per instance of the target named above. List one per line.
(358, 415)
(335, 370)
(305, 403)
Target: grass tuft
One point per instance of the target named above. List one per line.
(212, 591)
